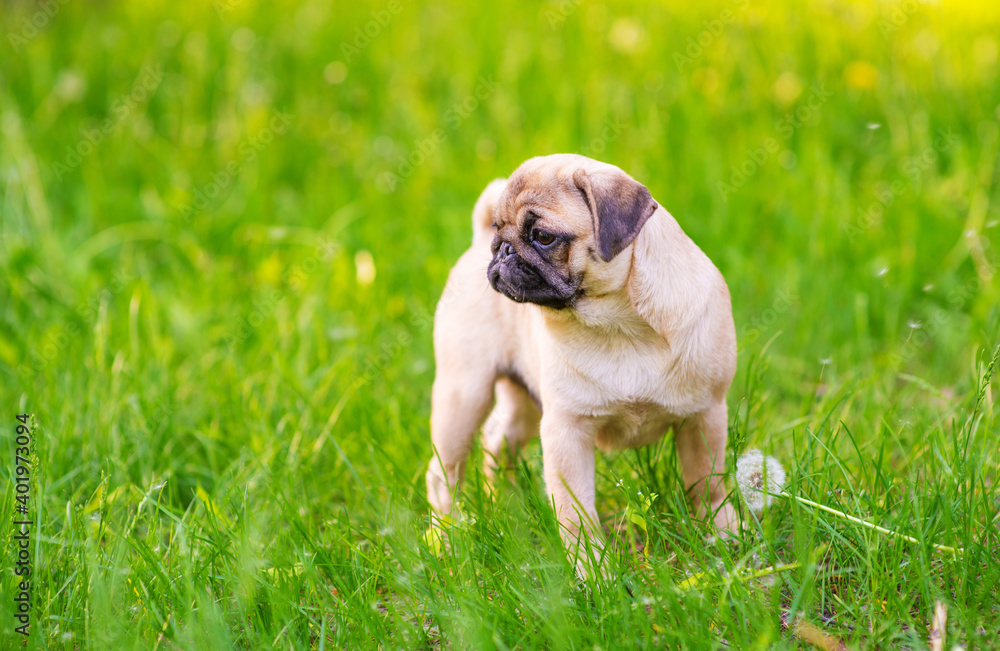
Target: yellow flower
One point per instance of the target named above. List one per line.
(787, 88)
(861, 75)
(365, 264)
(627, 35)
(269, 271)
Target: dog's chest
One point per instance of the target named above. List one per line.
(633, 426)
(633, 382)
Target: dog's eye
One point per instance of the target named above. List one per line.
(543, 238)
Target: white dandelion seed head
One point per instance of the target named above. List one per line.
(759, 478)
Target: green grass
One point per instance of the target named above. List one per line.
(232, 423)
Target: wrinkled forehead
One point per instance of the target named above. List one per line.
(537, 183)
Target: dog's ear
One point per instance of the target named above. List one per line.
(619, 206)
(486, 206)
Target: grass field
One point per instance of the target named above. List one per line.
(224, 228)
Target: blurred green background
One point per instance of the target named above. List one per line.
(224, 227)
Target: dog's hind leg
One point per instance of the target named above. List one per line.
(512, 423)
(458, 406)
(701, 446)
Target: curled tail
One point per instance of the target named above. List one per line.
(482, 214)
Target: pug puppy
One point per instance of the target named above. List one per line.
(584, 313)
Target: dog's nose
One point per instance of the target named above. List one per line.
(506, 250)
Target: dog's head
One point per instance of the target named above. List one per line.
(561, 223)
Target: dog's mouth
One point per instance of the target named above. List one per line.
(522, 283)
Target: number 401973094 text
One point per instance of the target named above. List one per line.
(22, 525)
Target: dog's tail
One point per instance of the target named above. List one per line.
(482, 214)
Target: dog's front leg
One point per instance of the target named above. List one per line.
(568, 457)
